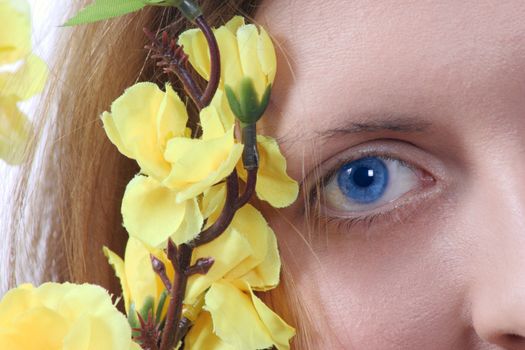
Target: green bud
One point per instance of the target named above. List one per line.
(247, 107)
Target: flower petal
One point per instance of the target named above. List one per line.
(265, 276)
(150, 211)
(143, 119)
(195, 46)
(231, 69)
(118, 265)
(192, 223)
(252, 225)
(26, 81)
(62, 316)
(15, 131)
(273, 184)
(247, 41)
(228, 251)
(199, 164)
(213, 201)
(267, 57)
(240, 249)
(234, 24)
(212, 127)
(279, 330)
(171, 117)
(252, 326)
(201, 335)
(15, 38)
(143, 282)
(221, 104)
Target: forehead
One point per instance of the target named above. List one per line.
(339, 60)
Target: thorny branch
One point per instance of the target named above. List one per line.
(172, 58)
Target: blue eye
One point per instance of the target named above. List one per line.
(363, 180)
(368, 183)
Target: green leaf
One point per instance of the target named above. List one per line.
(264, 101)
(232, 100)
(132, 317)
(160, 306)
(104, 9)
(164, 2)
(147, 308)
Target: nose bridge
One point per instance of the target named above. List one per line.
(497, 217)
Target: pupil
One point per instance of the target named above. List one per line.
(363, 176)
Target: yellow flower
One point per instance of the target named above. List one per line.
(149, 125)
(142, 288)
(198, 164)
(141, 123)
(248, 64)
(251, 326)
(246, 251)
(19, 82)
(62, 316)
(246, 259)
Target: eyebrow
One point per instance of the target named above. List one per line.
(386, 122)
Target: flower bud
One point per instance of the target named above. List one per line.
(247, 106)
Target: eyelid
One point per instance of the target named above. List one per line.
(428, 168)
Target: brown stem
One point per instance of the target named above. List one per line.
(201, 266)
(215, 61)
(171, 328)
(172, 58)
(189, 84)
(160, 270)
(226, 217)
(251, 181)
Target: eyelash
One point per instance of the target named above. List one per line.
(345, 224)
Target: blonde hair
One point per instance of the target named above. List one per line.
(68, 199)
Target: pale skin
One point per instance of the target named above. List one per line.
(445, 267)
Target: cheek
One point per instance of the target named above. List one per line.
(385, 288)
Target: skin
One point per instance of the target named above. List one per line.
(445, 267)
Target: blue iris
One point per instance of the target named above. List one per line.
(363, 180)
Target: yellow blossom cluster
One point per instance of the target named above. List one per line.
(180, 190)
(22, 75)
(62, 316)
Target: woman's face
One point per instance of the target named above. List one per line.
(413, 118)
